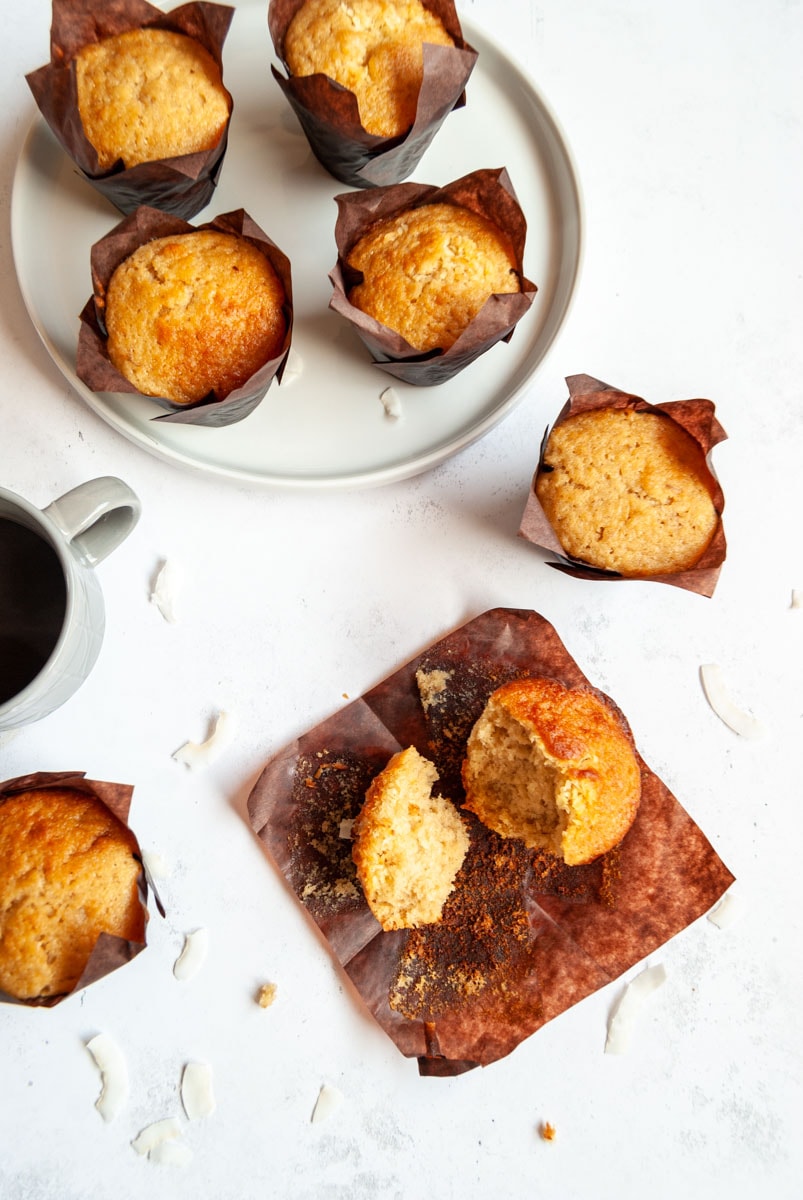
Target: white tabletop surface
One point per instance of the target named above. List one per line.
(685, 124)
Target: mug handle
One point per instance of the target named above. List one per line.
(96, 516)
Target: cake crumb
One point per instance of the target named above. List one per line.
(547, 1131)
(266, 995)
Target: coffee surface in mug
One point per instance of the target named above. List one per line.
(33, 601)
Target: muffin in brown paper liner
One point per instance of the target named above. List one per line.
(329, 115)
(110, 952)
(697, 418)
(523, 937)
(181, 185)
(93, 365)
(488, 192)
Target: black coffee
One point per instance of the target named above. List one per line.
(33, 600)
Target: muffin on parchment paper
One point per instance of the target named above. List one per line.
(624, 489)
(554, 766)
(199, 319)
(432, 277)
(408, 843)
(72, 888)
(136, 97)
(371, 81)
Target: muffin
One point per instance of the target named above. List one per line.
(427, 272)
(70, 873)
(372, 47)
(149, 94)
(198, 318)
(430, 278)
(553, 766)
(629, 491)
(194, 313)
(136, 98)
(371, 81)
(408, 845)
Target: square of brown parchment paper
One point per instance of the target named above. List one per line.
(522, 937)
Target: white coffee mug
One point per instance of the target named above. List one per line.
(51, 606)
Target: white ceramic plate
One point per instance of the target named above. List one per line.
(328, 426)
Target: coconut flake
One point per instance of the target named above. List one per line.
(726, 912)
(155, 1135)
(329, 1100)
(201, 754)
(165, 591)
(293, 367)
(113, 1069)
(717, 695)
(623, 1016)
(391, 403)
(193, 955)
(197, 1095)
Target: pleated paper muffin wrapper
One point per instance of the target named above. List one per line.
(522, 937)
(488, 192)
(110, 952)
(183, 184)
(93, 365)
(698, 419)
(329, 114)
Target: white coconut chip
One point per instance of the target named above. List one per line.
(623, 1017)
(717, 696)
(165, 591)
(726, 912)
(156, 864)
(197, 1094)
(329, 1100)
(111, 1063)
(171, 1154)
(391, 403)
(193, 955)
(293, 367)
(797, 598)
(201, 754)
(155, 1135)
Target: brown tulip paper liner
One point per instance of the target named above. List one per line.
(329, 114)
(698, 419)
(488, 192)
(110, 952)
(182, 185)
(93, 365)
(522, 937)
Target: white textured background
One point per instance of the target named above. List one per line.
(685, 122)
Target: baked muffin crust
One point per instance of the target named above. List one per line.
(371, 47)
(149, 94)
(192, 313)
(68, 875)
(627, 491)
(428, 271)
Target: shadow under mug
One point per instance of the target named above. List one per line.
(51, 606)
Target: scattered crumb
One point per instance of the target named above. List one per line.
(431, 687)
(547, 1131)
(345, 695)
(346, 828)
(391, 404)
(266, 995)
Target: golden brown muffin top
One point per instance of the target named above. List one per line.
(408, 844)
(429, 270)
(192, 313)
(68, 875)
(149, 94)
(628, 491)
(371, 47)
(554, 766)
